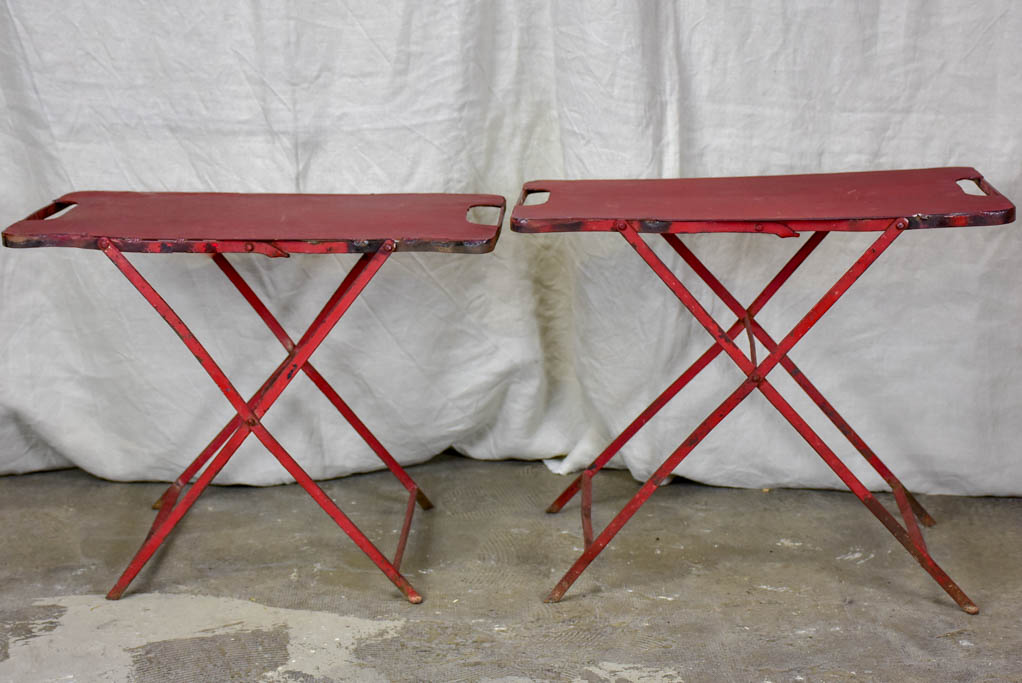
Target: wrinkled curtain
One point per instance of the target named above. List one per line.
(550, 345)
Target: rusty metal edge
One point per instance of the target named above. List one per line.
(266, 247)
(649, 225)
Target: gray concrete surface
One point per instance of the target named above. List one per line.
(705, 584)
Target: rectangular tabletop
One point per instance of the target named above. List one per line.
(273, 224)
(782, 204)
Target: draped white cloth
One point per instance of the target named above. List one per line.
(550, 345)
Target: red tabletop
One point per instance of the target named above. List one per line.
(267, 223)
(835, 201)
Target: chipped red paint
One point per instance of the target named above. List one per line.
(268, 224)
(857, 202)
(374, 226)
(891, 202)
(780, 229)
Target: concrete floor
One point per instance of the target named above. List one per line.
(704, 584)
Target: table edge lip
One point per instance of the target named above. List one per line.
(76, 239)
(872, 224)
(595, 223)
(281, 247)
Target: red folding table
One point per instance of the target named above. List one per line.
(888, 202)
(275, 225)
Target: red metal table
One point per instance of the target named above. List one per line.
(890, 202)
(274, 225)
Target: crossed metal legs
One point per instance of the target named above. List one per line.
(911, 511)
(248, 414)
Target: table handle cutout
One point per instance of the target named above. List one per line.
(484, 215)
(970, 187)
(535, 197)
(53, 210)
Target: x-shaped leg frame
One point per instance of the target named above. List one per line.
(249, 413)
(912, 512)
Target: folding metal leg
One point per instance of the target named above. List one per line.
(909, 507)
(166, 501)
(670, 392)
(248, 414)
(278, 331)
(756, 379)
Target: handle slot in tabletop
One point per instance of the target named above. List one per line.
(53, 210)
(535, 197)
(971, 187)
(484, 215)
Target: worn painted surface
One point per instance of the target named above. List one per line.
(778, 205)
(888, 201)
(270, 224)
(274, 225)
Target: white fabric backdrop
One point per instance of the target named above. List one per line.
(553, 343)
